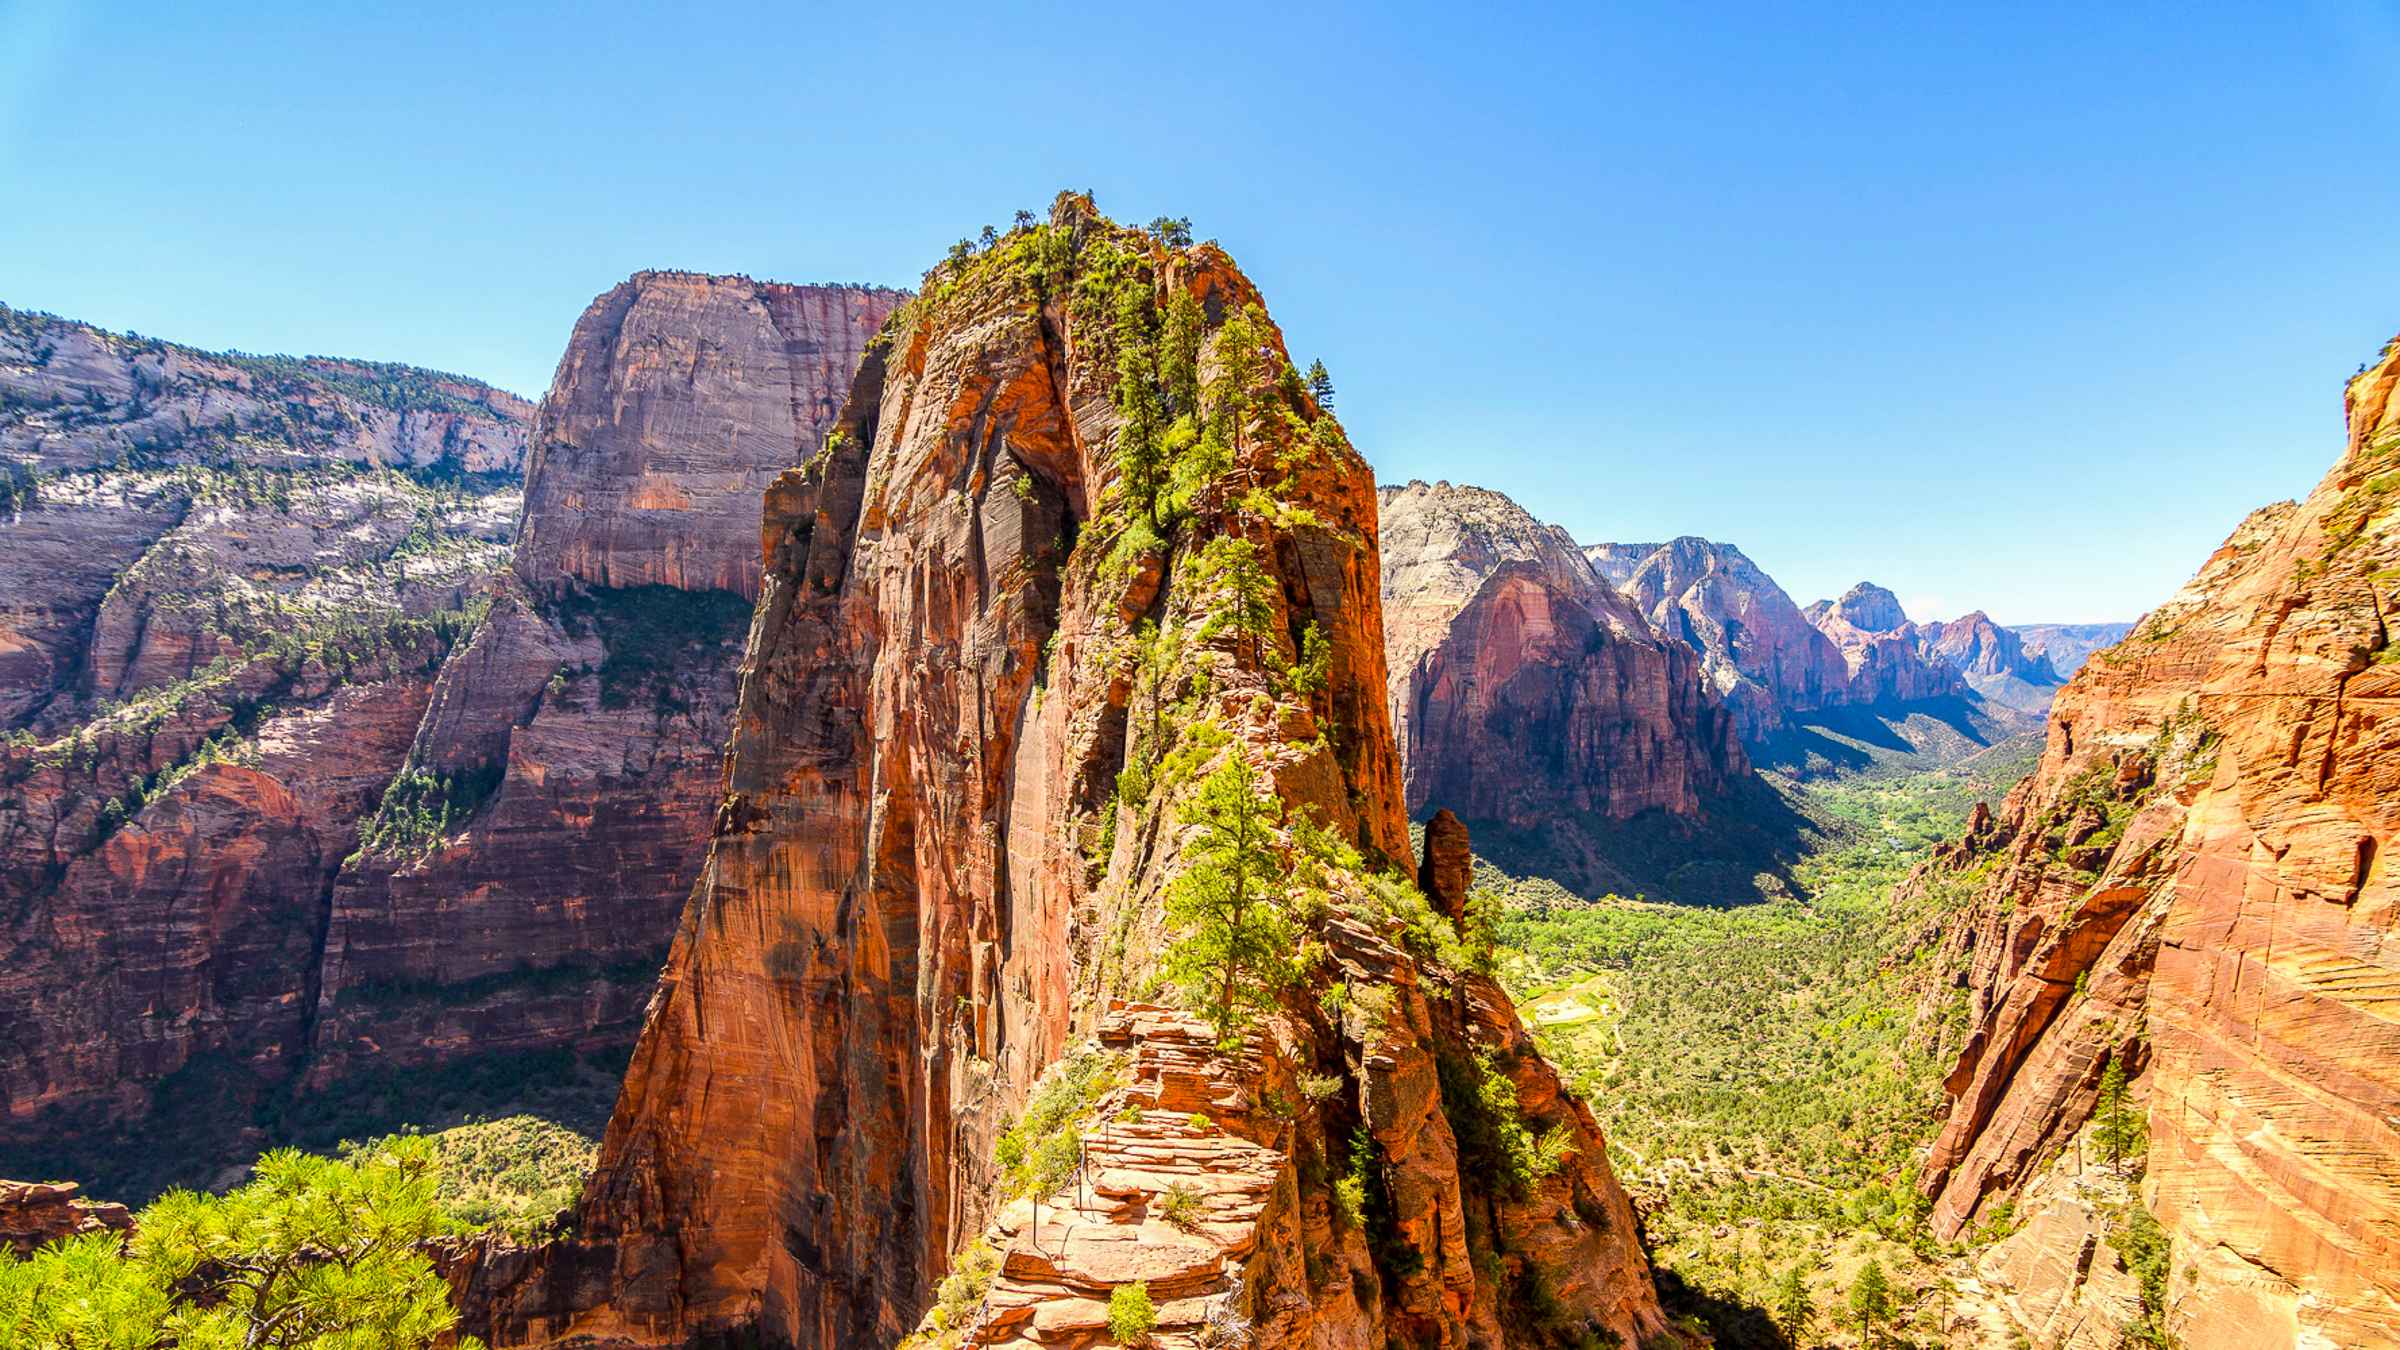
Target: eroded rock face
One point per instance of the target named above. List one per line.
(580, 734)
(527, 816)
(1763, 657)
(680, 398)
(225, 584)
(76, 397)
(979, 683)
(34, 1214)
(1888, 656)
(1525, 686)
(2193, 882)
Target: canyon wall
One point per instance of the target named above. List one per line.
(2194, 886)
(313, 773)
(575, 743)
(1527, 693)
(1079, 546)
(225, 586)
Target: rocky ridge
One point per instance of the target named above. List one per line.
(75, 397)
(997, 647)
(573, 747)
(2192, 887)
(1763, 658)
(216, 637)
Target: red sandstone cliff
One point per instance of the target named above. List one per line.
(218, 628)
(230, 667)
(2194, 883)
(1765, 660)
(950, 811)
(1887, 654)
(580, 733)
(1527, 693)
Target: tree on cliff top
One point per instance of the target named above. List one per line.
(315, 1251)
(1236, 949)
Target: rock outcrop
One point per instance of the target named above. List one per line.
(1764, 659)
(1531, 697)
(1886, 654)
(2194, 886)
(34, 1214)
(1079, 542)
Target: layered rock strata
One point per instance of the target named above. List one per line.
(221, 609)
(997, 646)
(576, 742)
(1764, 659)
(2193, 886)
(1523, 685)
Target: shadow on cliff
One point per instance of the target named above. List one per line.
(225, 1118)
(1741, 851)
(1890, 738)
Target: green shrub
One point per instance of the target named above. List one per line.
(1130, 1313)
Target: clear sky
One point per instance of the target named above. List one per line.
(2018, 306)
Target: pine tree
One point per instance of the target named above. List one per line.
(1141, 459)
(1794, 1309)
(1320, 385)
(1180, 354)
(1234, 952)
(1870, 1300)
(313, 1251)
(2118, 1129)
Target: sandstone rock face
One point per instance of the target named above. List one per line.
(34, 1214)
(1886, 654)
(579, 736)
(216, 638)
(527, 816)
(1523, 685)
(1763, 657)
(2066, 646)
(75, 397)
(2194, 883)
(679, 399)
(981, 681)
(1993, 660)
(162, 956)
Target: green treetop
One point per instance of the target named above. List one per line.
(317, 1252)
(1234, 954)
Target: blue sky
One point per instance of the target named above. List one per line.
(2012, 306)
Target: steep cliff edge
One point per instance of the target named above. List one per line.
(1079, 543)
(2193, 887)
(1532, 698)
(572, 749)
